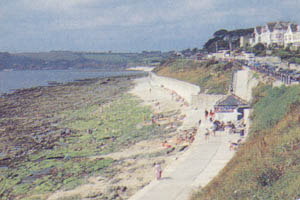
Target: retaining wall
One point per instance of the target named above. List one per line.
(184, 89)
(204, 101)
(245, 82)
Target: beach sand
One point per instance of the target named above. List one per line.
(183, 170)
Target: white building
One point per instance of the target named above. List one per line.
(244, 40)
(292, 36)
(270, 34)
(230, 108)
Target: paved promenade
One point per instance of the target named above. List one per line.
(197, 166)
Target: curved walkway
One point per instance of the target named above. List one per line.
(198, 165)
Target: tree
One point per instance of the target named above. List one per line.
(194, 50)
(259, 47)
(220, 33)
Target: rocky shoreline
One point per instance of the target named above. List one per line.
(27, 116)
(58, 137)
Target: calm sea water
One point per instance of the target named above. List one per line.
(12, 80)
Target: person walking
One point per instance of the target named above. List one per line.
(158, 171)
(206, 134)
(211, 114)
(206, 114)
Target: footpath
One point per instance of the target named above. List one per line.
(199, 164)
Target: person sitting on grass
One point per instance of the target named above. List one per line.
(234, 145)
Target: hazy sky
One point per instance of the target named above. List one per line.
(129, 25)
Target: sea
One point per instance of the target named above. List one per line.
(13, 80)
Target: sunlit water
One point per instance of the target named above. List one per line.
(12, 80)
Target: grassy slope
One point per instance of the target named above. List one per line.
(213, 76)
(41, 174)
(267, 166)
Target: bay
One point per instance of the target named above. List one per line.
(13, 80)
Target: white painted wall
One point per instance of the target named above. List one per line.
(184, 89)
(205, 101)
(226, 117)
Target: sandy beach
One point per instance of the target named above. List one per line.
(200, 163)
(175, 114)
(186, 167)
(187, 158)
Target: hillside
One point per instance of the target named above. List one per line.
(78, 60)
(213, 77)
(267, 165)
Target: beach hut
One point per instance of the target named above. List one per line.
(230, 108)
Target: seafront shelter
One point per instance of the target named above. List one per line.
(230, 108)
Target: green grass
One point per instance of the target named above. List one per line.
(267, 166)
(273, 106)
(43, 174)
(212, 76)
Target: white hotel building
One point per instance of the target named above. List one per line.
(274, 33)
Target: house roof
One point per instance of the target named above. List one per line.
(293, 27)
(231, 100)
(277, 25)
(271, 26)
(258, 29)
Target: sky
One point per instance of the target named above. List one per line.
(130, 25)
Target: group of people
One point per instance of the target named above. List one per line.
(187, 136)
(155, 118)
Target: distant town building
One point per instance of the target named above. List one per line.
(292, 36)
(270, 34)
(245, 40)
(273, 34)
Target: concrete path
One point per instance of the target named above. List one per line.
(197, 166)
